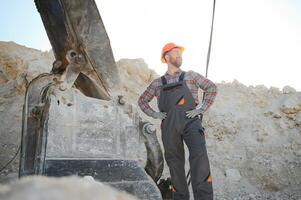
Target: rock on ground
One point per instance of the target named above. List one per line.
(66, 188)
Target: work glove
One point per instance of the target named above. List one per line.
(159, 115)
(192, 113)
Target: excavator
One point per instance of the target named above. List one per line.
(75, 120)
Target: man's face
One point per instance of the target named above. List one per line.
(175, 57)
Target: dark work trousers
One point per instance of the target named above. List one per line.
(175, 100)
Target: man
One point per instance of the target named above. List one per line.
(180, 111)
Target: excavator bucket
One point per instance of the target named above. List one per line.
(72, 124)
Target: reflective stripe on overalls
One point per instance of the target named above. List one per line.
(175, 100)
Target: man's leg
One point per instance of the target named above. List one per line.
(175, 158)
(199, 163)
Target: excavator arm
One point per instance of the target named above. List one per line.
(77, 25)
(72, 122)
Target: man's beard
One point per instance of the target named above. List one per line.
(176, 62)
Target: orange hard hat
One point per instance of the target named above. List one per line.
(167, 48)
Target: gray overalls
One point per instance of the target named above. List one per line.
(175, 100)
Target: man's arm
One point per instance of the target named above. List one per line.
(210, 91)
(146, 97)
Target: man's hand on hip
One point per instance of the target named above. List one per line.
(159, 115)
(194, 112)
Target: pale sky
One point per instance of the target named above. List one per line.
(254, 41)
